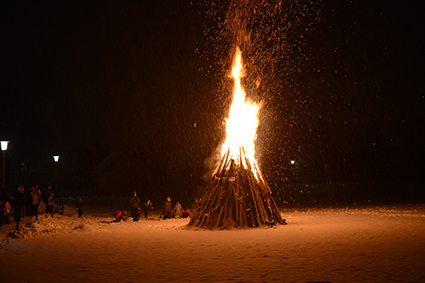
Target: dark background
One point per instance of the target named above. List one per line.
(126, 94)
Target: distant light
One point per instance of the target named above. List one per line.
(56, 158)
(4, 145)
(292, 162)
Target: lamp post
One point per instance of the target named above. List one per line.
(4, 148)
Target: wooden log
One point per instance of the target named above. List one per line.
(254, 200)
(220, 217)
(236, 197)
(244, 219)
(240, 216)
(236, 206)
(266, 194)
(205, 204)
(262, 214)
(202, 220)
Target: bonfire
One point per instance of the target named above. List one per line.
(238, 196)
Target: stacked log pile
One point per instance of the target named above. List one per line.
(236, 199)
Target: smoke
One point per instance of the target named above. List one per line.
(211, 163)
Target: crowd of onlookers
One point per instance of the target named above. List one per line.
(26, 202)
(30, 202)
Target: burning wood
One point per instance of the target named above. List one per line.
(237, 196)
(236, 199)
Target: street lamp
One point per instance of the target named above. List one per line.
(56, 158)
(4, 148)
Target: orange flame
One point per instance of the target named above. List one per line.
(242, 122)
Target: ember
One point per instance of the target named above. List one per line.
(237, 196)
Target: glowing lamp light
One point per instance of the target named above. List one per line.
(292, 162)
(4, 145)
(56, 158)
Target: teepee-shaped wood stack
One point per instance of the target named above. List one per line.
(235, 198)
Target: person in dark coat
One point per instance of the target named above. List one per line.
(79, 206)
(167, 209)
(19, 204)
(134, 201)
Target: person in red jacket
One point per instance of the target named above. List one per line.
(119, 215)
(185, 212)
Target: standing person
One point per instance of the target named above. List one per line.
(167, 210)
(177, 210)
(8, 197)
(4, 207)
(4, 211)
(146, 206)
(19, 203)
(50, 203)
(36, 198)
(79, 206)
(134, 201)
(43, 197)
(119, 215)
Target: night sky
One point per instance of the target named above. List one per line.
(344, 95)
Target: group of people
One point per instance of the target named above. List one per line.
(136, 210)
(177, 212)
(168, 210)
(25, 202)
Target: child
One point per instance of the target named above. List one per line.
(177, 210)
(146, 206)
(136, 215)
(50, 204)
(119, 215)
(185, 213)
(167, 209)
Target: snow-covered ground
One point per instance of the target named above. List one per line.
(371, 244)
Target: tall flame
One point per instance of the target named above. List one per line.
(242, 122)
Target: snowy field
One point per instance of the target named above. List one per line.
(370, 244)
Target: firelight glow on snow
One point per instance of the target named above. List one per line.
(242, 122)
